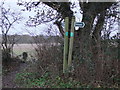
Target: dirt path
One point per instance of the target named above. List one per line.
(8, 79)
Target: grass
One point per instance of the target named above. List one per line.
(28, 80)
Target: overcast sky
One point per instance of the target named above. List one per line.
(41, 29)
(21, 27)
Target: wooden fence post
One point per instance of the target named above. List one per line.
(71, 43)
(65, 56)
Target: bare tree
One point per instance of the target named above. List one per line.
(8, 19)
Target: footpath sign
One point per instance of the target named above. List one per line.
(68, 42)
(79, 24)
(76, 24)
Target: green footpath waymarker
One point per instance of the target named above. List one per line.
(71, 34)
(66, 33)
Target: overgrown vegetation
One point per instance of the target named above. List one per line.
(28, 80)
(47, 71)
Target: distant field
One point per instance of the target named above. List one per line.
(20, 48)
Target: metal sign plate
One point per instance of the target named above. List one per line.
(79, 24)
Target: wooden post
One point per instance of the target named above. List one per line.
(71, 43)
(65, 56)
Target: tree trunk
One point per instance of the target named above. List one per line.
(96, 47)
(83, 38)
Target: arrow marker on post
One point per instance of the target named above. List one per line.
(79, 24)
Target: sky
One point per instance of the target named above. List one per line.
(21, 28)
